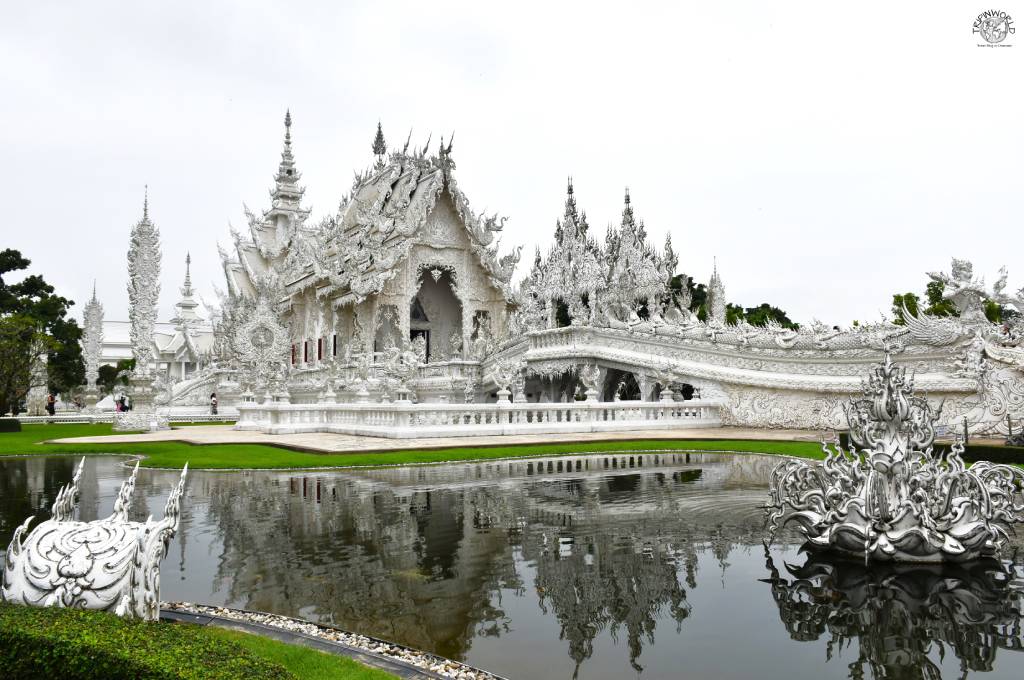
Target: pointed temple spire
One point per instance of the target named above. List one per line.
(187, 288)
(145, 203)
(628, 222)
(185, 309)
(287, 191)
(571, 217)
(380, 147)
(716, 298)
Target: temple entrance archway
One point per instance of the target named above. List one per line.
(620, 384)
(435, 314)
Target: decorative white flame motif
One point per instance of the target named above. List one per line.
(109, 564)
(891, 497)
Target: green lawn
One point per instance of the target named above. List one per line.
(219, 456)
(301, 661)
(91, 645)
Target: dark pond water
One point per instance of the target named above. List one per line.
(596, 567)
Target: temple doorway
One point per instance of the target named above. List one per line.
(435, 314)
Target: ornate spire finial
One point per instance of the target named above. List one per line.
(94, 290)
(569, 188)
(188, 272)
(145, 203)
(379, 146)
(627, 195)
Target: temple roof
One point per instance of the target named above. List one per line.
(352, 254)
(387, 206)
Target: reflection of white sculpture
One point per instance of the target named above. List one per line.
(893, 499)
(109, 564)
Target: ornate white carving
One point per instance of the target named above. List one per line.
(109, 564)
(143, 289)
(891, 498)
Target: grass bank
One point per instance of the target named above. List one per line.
(87, 645)
(32, 438)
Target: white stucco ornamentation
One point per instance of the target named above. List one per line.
(109, 564)
(143, 289)
(891, 497)
(332, 309)
(143, 298)
(92, 343)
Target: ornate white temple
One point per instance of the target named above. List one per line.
(397, 315)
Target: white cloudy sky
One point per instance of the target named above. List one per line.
(828, 153)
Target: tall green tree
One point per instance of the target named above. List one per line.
(937, 305)
(910, 301)
(34, 322)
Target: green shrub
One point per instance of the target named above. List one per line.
(87, 645)
(10, 425)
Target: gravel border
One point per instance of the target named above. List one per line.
(341, 641)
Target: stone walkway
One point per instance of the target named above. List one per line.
(323, 442)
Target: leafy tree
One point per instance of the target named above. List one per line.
(22, 366)
(937, 305)
(733, 313)
(940, 306)
(763, 313)
(993, 311)
(35, 322)
(910, 301)
(112, 376)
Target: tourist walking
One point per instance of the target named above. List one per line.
(51, 404)
(213, 404)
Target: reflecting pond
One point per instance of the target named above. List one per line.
(608, 566)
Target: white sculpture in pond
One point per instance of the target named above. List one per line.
(109, 564)
(891, 498)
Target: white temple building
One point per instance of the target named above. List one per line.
(396, 315)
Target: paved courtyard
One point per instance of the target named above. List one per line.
(340, 443)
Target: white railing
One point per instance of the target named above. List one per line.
(405, 419)
(175, 415)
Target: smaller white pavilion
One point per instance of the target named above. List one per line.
(180, 346)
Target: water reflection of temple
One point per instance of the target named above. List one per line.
(421, 555)
(899, 616)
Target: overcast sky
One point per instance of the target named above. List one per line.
(828, 153)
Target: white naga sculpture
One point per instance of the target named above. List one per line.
(109, 564)
(891, 497)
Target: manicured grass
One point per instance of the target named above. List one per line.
(301, 661)
(214, 456)
(88, 645)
